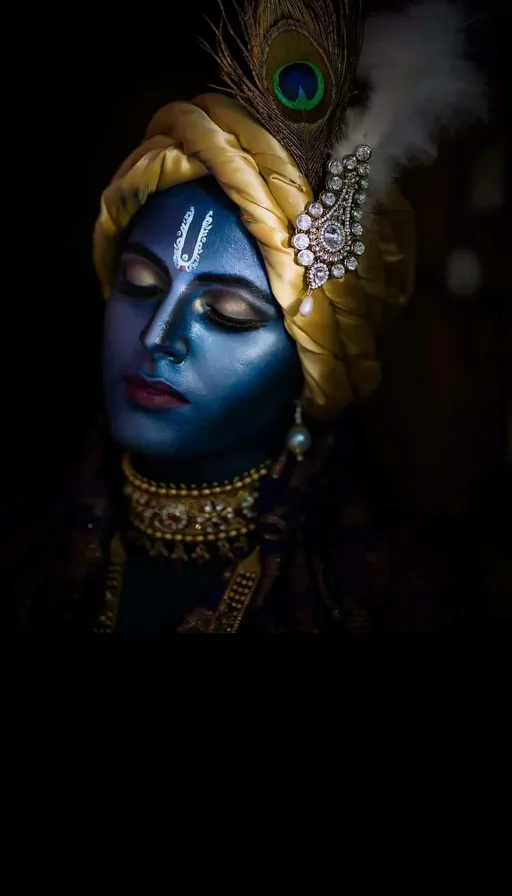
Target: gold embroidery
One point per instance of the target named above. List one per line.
(108, 618)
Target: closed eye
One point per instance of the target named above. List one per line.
(231, 311)
(139, 277)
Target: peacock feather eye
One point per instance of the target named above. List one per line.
(299, 86)
(293, 64)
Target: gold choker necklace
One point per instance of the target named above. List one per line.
(194, 523)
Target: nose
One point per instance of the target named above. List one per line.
(162, 335)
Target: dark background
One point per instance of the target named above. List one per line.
(439, 424)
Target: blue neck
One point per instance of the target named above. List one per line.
(209, 468)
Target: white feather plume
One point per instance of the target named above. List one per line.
(419, 80)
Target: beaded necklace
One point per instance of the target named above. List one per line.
(196, 523)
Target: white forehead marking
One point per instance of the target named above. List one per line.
(183, 261)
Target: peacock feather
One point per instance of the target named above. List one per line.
(292, 63)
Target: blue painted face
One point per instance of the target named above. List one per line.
(196, 357)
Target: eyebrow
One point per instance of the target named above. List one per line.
(240, 283)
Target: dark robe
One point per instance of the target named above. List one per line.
(336, 557)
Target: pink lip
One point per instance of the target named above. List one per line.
(153, 394)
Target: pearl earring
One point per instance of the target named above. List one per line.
(298, 440)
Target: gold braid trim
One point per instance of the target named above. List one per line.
(237, 595)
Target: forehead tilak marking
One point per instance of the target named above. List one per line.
(183, 261)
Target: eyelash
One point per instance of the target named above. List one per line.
(230, 323)
(140, 292)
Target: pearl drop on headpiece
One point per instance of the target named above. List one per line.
(306, 306)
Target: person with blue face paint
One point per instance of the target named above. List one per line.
(201, 380)
(246, 251)
(200, 373)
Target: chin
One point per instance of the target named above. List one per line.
(133, 432)
(128, 433)
(138, 443)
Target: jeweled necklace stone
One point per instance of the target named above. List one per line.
(193, 522)
(333, 237)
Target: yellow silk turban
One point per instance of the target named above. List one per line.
(214, 135)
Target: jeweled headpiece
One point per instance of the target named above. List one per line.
(328, 232)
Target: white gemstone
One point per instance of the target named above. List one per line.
(337, 271)
(358, 247)
(357, 229)
(328, 199)
(301, 241)
(304, 222)
(364, 183)
(332, 237)
(350, 162)
(306, 306)
(351, 263)
(363, 169)
(305, 257)
(335, 183)
(357, 214)
(315, 209)
(363, 153)
(184, 257)
(320, 274)
(360, 197)
(335, 167)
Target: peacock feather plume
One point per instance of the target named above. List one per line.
(292, 63)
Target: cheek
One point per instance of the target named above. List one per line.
(121, 332)
(263, 363)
